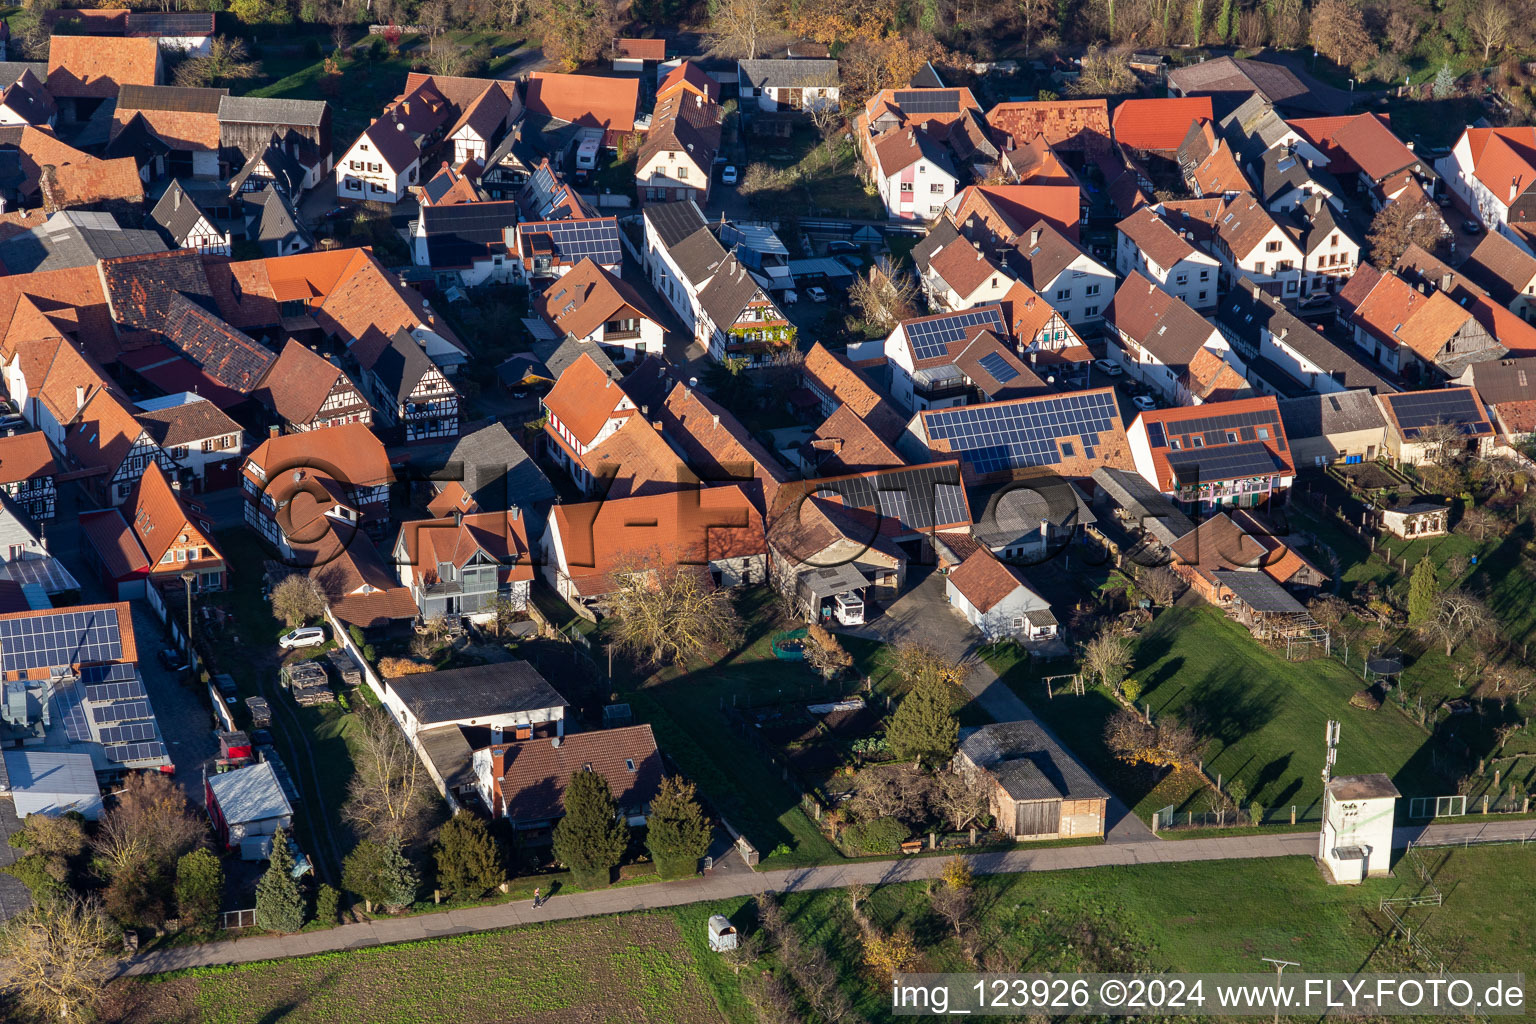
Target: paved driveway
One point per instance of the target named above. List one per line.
(924, 615)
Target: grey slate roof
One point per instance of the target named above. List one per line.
(557, 355)
(1317, 415)
(478, 691)
(395, 147)
(401, 364)
(75, 238)
(267, 110)
(1247, 311)
(282, 167)
(170, 97)
(1280, 172)
(1028, 763)
(274, 225)
(787, 74)
(1041, 262)
(1013, 511)
(674, 222)
(10, 70)
(933, 243)
(497, 472)
(1148, 506)
(728, 292)
(1259, 591)
(177, 213)
(252, 793)
(1253, 127)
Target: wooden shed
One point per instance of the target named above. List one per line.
(1038, 789)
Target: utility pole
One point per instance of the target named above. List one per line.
(187, 578)
(1280, 966)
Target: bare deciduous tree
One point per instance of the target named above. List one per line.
(150, 826)
(59, 956)
(885, 296)
(1034, 16)
(1402, 223)
(741, 24)
(1490, 23)
(1160, 583)
(297, 599)
(961, 796)
(1168, 743)
(1104, 73)
(387, 794)
(1106, 658)
(1338, 32)
(228, 59)
(1458, 617)
(670, 613)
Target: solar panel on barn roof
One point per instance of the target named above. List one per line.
(1015, 435)
(63, 638)
(932, 337)
(999, 367)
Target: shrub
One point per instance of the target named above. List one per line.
(1130, 690)
(199, 890)
(393, 668)
(883, 835)
(327, 905)
(356, 633)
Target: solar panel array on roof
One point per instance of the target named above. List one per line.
(117, 672)
(105, 693)
(131, 732)
(62, 638)
(1155, 436)
(123, 711)
(932, 337)
(920, 498)
(1223, 422)
(1416, 410)
(123, 753)
(999, 367)
(928, 101)
(69, 702)
(575, 240)
(1015, 435)
(1228, 462)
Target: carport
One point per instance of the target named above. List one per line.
(832, 592)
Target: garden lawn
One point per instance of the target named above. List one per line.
(366, 86)
(638, 968)
(1198, 916)
(1264, 715)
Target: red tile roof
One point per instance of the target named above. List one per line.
(641, 49)
(584, 100)
(835, 378)
(687, 527)
(691, 77)
(533, 773)
(25, 457)
(1362, 143)
(579, 396)
(502, 536)
(1008, 210)
(1158, 124)
(95, 67)
(984, 581)
(121, 555)
(1502, 157)
(160, 520)
(1080, 125)
(299, 382)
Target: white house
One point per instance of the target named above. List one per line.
(1149, 247)
(1490, 170)
(194, 432)
(959, 276)
(1075, 284)
(27, 101)
(381, 165)
(188, 226)
(1332, 253)
(1158, 339)
(913, 172)
(506, 698)
(483, 123)
(677, 158)
(1252, 244)
(924, 355)
(777, 85)
(994, 598)
(595, 305)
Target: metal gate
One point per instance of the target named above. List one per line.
(1420, 807)
(230, 920)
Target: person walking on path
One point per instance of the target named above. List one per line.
(536, 897)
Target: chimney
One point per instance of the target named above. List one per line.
(517, 512)
(176, 484)
(458, 517)
(1445, 282)
(1514, 188)
(1034, 236)
(79, 397)
(272, 431)
(1284, 331)
(716, 418)
(656, 425)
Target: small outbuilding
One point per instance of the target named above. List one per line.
(1415, 519)
(247, 803)
(1356, 838)
(45, 782)
(1037, 789)
(722, 934)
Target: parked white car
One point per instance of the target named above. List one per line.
(816, 293)
(728, 176)
(1144, 402)
(304, 636)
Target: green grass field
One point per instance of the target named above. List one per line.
(1264, 716)
(1202, 916)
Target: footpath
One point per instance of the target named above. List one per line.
(726, 886)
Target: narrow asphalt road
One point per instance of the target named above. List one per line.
(726, 886)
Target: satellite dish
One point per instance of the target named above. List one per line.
(693, 382)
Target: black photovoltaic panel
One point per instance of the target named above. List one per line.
(122, 671)
(1228, 421)
(920, 498)
(62, 638)
(132, 732)
(1228, 462)
(104, 693)
(1000, 368)
(930, 338)
(125, 752)
(123, 711)
(1416, 410)
(574, 240)
(1014, 435)
(1155, 436)
(75, 725)
(929, 101)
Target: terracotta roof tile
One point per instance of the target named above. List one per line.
(586, 298)
(1008, 210)
(179, 425)
(1153, 237)
(24, 457)
(1077, 125)
(502, 536)
(963, 267)
(95, 67)
(113, 542)
(1216, 422)
(578, 398)
(1158, 124)
(845, 444)
(691, 77)
(159, 518)
(1363, 143)
(584, 100)
(984, 580)
(535, 772)
(836, 379)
